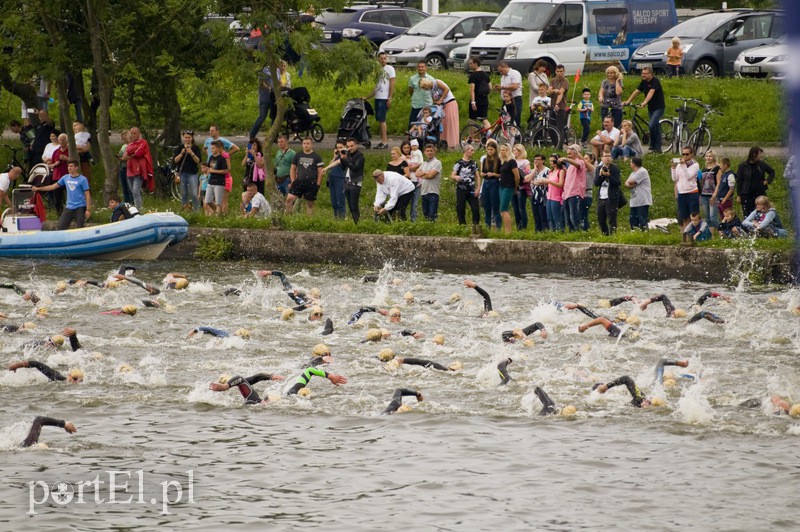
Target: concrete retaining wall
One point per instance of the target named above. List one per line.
(512, 256)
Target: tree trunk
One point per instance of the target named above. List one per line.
(24, 91)
(64, 114)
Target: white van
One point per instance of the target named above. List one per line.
(574, 33)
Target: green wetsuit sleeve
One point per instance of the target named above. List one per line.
(308, 373)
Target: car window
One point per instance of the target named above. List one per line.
(373, 17)
(414, 17)
(776, 30)
(718, 34)
(574, 25)
(566, 23)
(395, 17)
(750, 30)
(487, 22)
(470, 27)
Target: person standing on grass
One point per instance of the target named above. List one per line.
(650, 86)
(352, 160)
(490, 193)
(187, 157)
(218, 167)
(283, 164)
(213, 134)
(468, 184)
(383, 92)
(139, 166)
(709, 183)
(79, 196)
(684, 175)
(336, 182)
(511, 81)
(641, 194)
(419, 97)
(610, 96)
(753, 179)
(539, 172)
(415, 158)
(430, 172)
(608, 197)
(558, 91)
(306, 176)
(58, 168)
(509, 183)
(479, 89)
(574, 186)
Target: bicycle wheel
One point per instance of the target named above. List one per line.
(317, 133)
(545, 137)
(572, 136)
(509, 135)
(700, 140)
(175, 186)
(684, 138)
(667, 134)
(643, 133)
(471, 136)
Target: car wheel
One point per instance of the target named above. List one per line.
(437, 62)
(705, 69)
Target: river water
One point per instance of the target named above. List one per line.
(472, 456)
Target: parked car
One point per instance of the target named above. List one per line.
(432, 39)
(712, 42)
(457, 58)
(770, 62)
(376, 23)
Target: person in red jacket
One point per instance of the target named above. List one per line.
(139, 166)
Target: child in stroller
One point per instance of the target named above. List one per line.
(429, 126)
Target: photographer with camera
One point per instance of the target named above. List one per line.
(187, 157)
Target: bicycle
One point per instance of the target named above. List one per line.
(640, 125)
(170, 179)
(14, 161)
(674, 131)
(541, 133)
(502, 130)
(571, 134)
(700, 138)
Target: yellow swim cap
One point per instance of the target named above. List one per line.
(603, 303)
(679, 313)
(169, 307)
(130, 310)
(622, 315)
(385, 355)
(394, 312)
(112, 283)
(657, 401)
(409, 297)
(404, 408)
(669, 383)
(321, 350)
(224, 378)
(75, 373)
(316, 310)
(315, 293)
(529, 342)
(304, 392)
(796, 311)
(28, 325)
(97, 355)
(57, 340)
(773, 300)
(454, 298)
(397, 281)
(287, 314)
(42, 312)
(374, 335)
(125, 368)
(455, 366)
(438, 339)
(493, 314)
(393, 364)
(61, 286)
(243, 333)
(795, 410)
(569, 411)
(181, 283)
(634, 321)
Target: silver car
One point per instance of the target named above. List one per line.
(766, 62)
(432, 39)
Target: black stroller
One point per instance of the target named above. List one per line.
(354, 123)
(301, 119)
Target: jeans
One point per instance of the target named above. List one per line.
(607, 215)
(520, 203)
(79, 215)
(127, 197)
(135, 184)
(518, 115)
(555, 215)
(189, 190)
(464, 196)
(430, 206)
(710, 214)
(415, 202)
(655, 129)
(539, 215)
(490, 199)
(264, 104)
(622, 151)
(585, 124)
(352, 194)
(572, 214)
(586, 205)
(283, 188)
(639, 217)
(336, 187)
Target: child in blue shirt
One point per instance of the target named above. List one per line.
(697, 230)
(585, 112)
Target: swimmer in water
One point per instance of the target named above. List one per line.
(127, 310)
(502, 368)
(613, 327)
(706, 315)
(176, 281)
(57, 340)
(74, 376)
(328, 327)
(322, 355)
(548, 405)
(672, 312)
(397, 400)
(218, 333)
(27, 295)
(455, 366)
(152, 290)
(309, 373)
(521, 334)
(709, 294)
(299, 297)
(639, 400)
(28, 325)
(783, 406)
(659, 372)
(231, 291)
(41, 421)
(393, 313)
(487, 301)
(245, 386)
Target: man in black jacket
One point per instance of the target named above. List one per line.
(352, 161)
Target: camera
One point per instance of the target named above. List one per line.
(342, 152)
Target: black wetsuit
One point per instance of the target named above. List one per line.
(328, 327)
(98, 284)
(703, 298)
(360, 312)
(304, 379)
(505, 378)
(589, 312)
(151, 303)
(36, 429)
(425, 363)
(218, 333)
(618, 300)
(10, 328)
(668, 306)
(73, 343)
(659, 375)
(284, 281)
(397, 399)
(706, 315)
(638, 396)
(232, 292)
(549, 405)
(251, 397)
(370, 278)
(46, 370)
(152, 290)
(487, 301)
(508, 336)
(20, 291)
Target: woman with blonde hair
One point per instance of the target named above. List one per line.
(628, 143)
(509, 183)
(610, 95)
(520, 198)
(709, 182)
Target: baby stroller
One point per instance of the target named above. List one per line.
(300, 118)
(354, 122)
(433, 133)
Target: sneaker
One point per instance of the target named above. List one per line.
(381, 146)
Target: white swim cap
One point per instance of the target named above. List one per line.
(455, 366)
(454, 298)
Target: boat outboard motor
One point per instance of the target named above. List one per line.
(129, 211)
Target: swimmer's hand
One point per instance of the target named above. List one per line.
(16, 365)
(543, 333)
(582, 328)
(419, 397)
(518, 333)
(469, 283)
(70, 427)
(68, 331)
(263, 273)
(418, 335)
(383, 312)
(682, 363)
(336, 380)
(217, 387)
(278, 378)
(602, 388)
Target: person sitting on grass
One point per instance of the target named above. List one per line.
(764, 220)
(731, 225)
(696, 230)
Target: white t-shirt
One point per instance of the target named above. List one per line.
(416, 158)
(5, 182)
(82, 138)
(48, 151)
(613, 135)
(512, 77)
(533, 81)
(382, 87)
(260, 202)
(544, 101)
